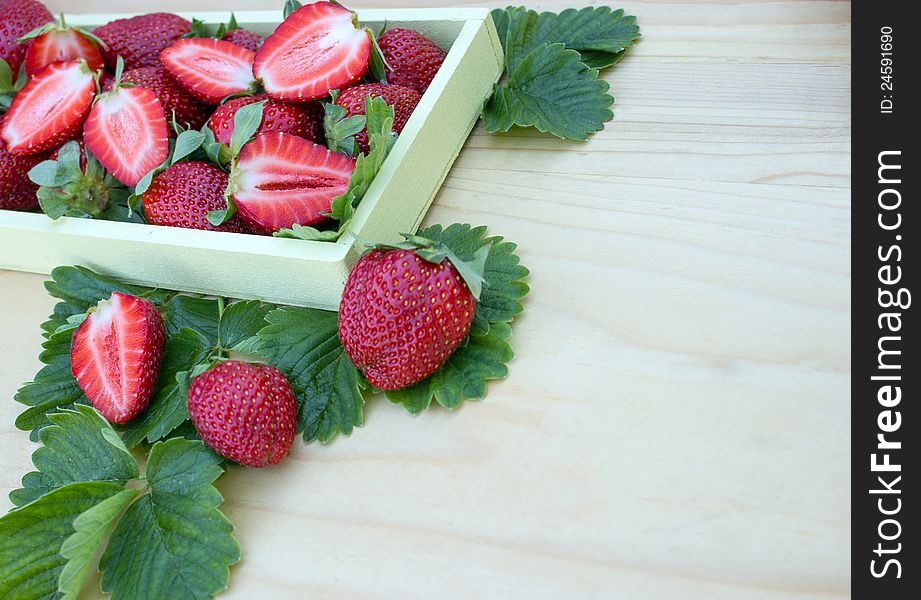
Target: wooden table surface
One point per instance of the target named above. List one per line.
(676, 422)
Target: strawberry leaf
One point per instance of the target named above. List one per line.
(240, 323)
(90, 527)
(598, 33)
(303, 343)
(290, 7)
(552, 90)
(311, 234)
(79, 446)
(187, 142)
(193, 312)
(246, 122)
(340, 130)
(185, 541)
(30, 538)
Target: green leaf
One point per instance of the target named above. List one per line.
(245, 124)
(187, 142)
(311, 234)
(173, 542)
(598, 33)
(89, 530)
(75, 449)
(379, 122)
(378, 63)
(31, 536)
(242, 321)
(290, 7)
(304, 344)
(500, 17)
(185, 349)
(341, 130)
(462, 377)
(193, 312)
(552, 90)
(503, 274)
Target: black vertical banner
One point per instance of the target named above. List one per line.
(885, 266)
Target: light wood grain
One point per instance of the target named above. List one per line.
(676, 421)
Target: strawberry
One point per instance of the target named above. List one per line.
(140, 39)
(318, 48)
(245, 412)
(184, 194)
(188, 112)
(77, 186)
(17, 192)
(116, 353)
(302, 120)
(127, 132)
(402, 99)
(280, 180)
(242, 37)
(17, 18)
(210, 70)
(404, 311)
(412, 58)
(57, 42)
(51, 108)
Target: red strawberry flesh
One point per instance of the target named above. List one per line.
(116, 354)
(209, 69)
(188, 111)
(127, 133)
(316, 49)
(50, 110)
(245, 412)
(60, 45)
(401, 317)
(280, 180)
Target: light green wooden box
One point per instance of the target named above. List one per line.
(281, 270)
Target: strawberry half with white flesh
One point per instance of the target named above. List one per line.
(127, 133)
(116, 354)
(210, 70)
(318, 48)
(57, 42)
(50, 110)
(281, 179)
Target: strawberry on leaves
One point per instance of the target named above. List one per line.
(74, 184)
(127, 132)
(210, 70)
(406, 309)
(245, 412)
(116, 353)
(317, 48)
(50, 109)
(56, 42)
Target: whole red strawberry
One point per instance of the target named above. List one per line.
(245, 412)
(413, 59)
(17, 192)
(184, 194)
(140, 39)
(116, 353)
(243, 37)
(17, 18)
(302, 120)
(402, 316)
(189, 112)
(402, 99)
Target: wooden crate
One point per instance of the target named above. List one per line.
(283, 270)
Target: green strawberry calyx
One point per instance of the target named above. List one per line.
(472, 271)
(67, 189)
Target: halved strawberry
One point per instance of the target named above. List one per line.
(50, 110)
(116, 353)
(281, 179)
(210, 70)
(127, 133)
(318, 48)
(56, 42)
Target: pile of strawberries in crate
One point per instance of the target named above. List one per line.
(136, 103)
